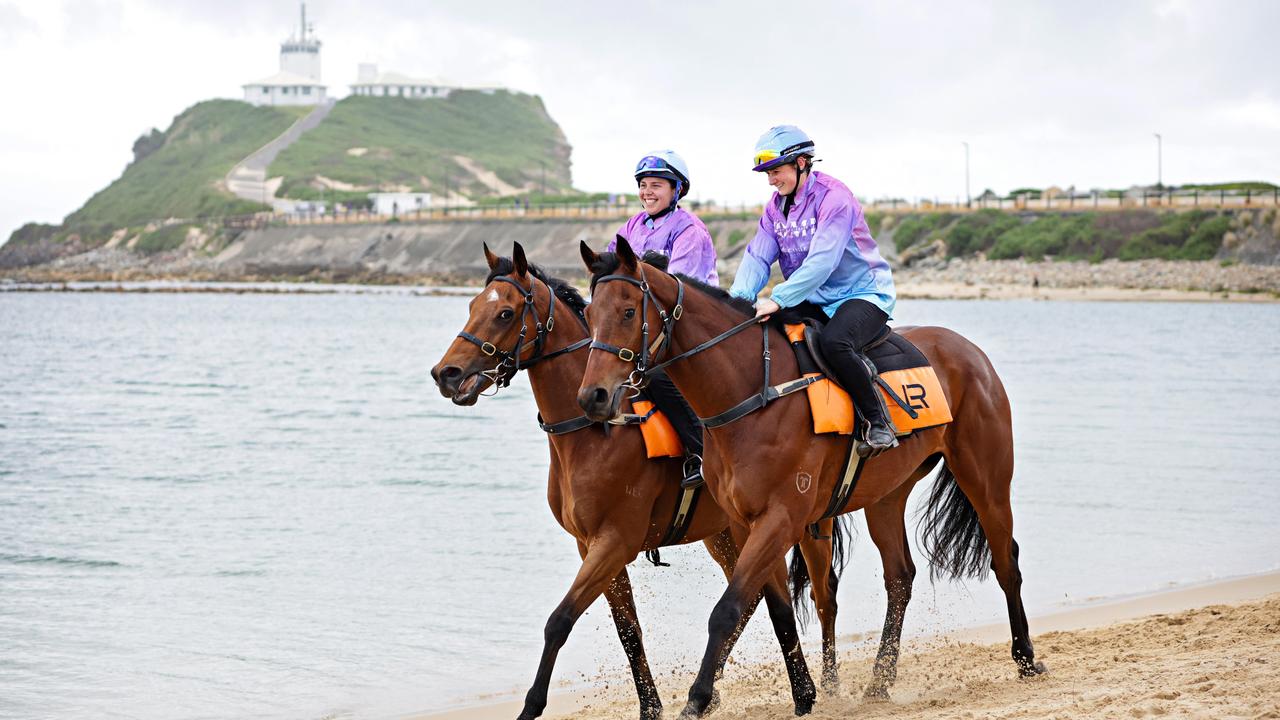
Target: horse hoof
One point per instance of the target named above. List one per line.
(831, 686)
(1036, 669)
(876, 691)
(653, 712)
(691, 712)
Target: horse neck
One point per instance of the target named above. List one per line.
(555, 382)
(725, 374)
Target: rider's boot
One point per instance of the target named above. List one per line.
(879, 433)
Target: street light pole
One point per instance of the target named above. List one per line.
(968, 197)
(1159, 161)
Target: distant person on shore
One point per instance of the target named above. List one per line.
(813, 227)
(662, 179)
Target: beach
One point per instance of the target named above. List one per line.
(1206, 651)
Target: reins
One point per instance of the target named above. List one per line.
(644, 371)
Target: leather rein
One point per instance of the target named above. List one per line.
(650, 351)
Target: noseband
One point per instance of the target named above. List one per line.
(648, 351)
(509, 360)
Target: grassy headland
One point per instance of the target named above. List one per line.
(376, 143)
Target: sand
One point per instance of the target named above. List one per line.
(1211, 651)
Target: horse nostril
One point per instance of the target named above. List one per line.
(446, 373)
(600, 397)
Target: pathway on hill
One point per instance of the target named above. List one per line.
(248, 179)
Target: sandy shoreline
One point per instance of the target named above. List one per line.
(1203, 651)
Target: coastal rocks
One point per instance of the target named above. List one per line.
(1209, 275)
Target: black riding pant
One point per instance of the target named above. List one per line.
(664, 395)
(855, 325)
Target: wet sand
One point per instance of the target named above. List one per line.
(1208, 651)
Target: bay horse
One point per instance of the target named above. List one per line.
(601, 487)
(757, 462)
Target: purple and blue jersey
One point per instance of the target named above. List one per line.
(824, 249)
(679, 235)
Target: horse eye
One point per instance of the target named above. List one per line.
(506, 315)
(629, 313)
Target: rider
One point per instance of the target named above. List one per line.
(663, 226)
(814, 227)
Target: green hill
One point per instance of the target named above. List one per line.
(384, 143)
(179, 173)
(475, 144)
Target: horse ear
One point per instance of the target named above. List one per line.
(490, 257)
(626, 254)
(589, 256)
(520, 261)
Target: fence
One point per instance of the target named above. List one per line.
(1169, 199)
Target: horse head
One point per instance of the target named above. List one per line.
(632, 303)
(502, 333)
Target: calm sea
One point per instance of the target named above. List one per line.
(231, 506)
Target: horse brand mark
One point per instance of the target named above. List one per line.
(917, 395)
(804, 481)
(633, 491)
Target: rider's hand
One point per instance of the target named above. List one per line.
(766, 307)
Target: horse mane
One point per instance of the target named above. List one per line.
(567, 293)
(608, 263)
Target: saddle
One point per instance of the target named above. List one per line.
(909, 388)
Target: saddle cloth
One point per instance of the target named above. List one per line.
(660, 437)
(908, 385)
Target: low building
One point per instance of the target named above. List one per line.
(371, 83)
(395, 203)
(284, 88)
(298, 82)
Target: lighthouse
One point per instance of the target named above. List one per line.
(298, 82)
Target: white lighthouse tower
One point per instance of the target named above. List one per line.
(298, 82)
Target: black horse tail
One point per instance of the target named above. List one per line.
(952, 537)
(799, 578)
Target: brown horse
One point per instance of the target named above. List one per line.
(756, 462)
(601, 488)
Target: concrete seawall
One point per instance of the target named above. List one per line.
(439, 249)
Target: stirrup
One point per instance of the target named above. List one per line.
(865, 449)
(692, 472)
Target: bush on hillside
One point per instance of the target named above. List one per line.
(978, 231)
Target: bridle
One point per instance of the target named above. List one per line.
(509, 360)
(650, 351)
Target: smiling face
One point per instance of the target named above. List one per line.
(656, 194)
(784, 177)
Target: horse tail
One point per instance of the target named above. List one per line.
(799, 578)
(953, 538)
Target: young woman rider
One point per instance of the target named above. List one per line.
(814, 228)
(663, 226)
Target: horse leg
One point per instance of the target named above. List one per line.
(601, 564)
(724, 551)
(823, 581)
(986, 489)
(887, 526)
(623, 606)
(760, 569)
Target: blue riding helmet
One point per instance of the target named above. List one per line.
(780, 145)
(665, 164)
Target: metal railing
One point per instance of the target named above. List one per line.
(1165, 199)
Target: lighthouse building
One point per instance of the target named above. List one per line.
(298, 82)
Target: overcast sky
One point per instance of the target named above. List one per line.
(1045, 93)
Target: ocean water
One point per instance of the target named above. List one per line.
(229, 506)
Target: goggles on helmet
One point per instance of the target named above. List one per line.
(769, 159)
(657, 166)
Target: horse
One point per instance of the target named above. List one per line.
(602, 489)
(757, 461)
